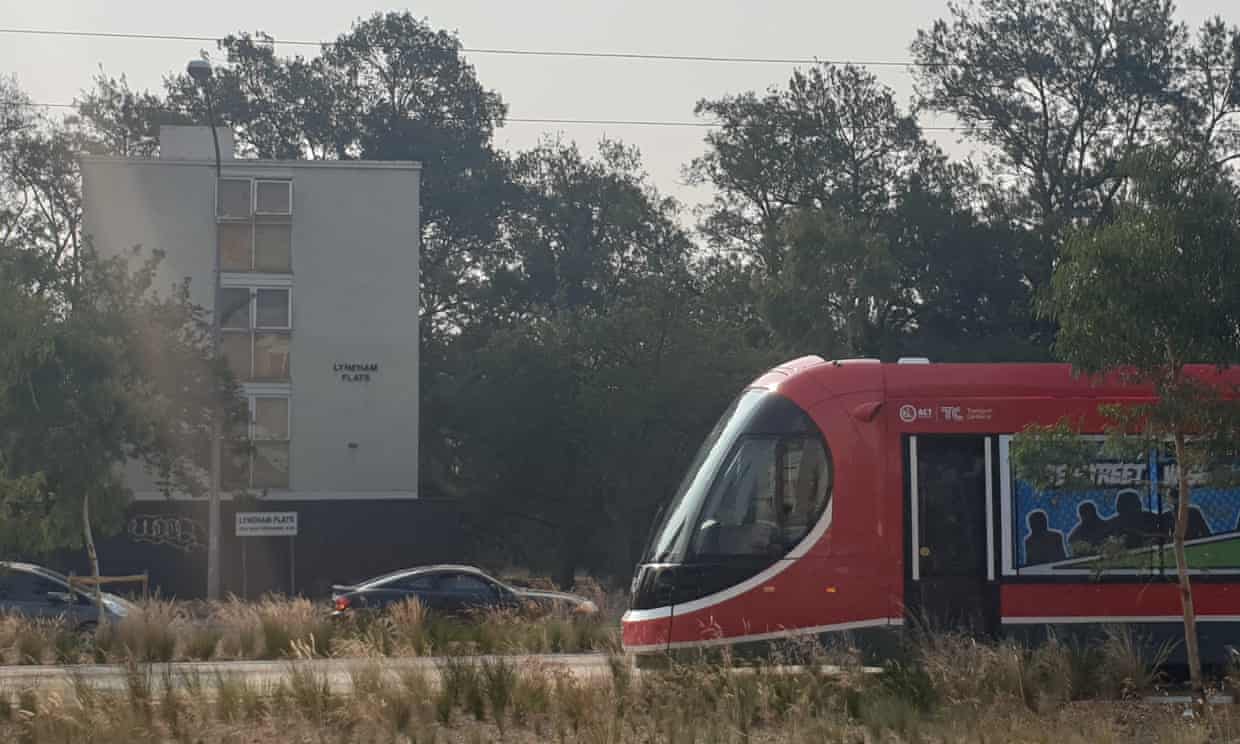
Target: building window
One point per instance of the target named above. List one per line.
(273, 309)
(236, 243)
(261, 459)
(232, 200)
(273, 247)
(254, 225)
(273, 197)
(256, 323)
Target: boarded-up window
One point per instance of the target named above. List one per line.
(273, 247)
(271, 356)
(236, 250)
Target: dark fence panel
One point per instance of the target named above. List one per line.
(337, 542)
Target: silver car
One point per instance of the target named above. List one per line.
(37, 592)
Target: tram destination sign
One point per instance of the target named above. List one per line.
(266, 524)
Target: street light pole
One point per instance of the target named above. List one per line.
(200, 71)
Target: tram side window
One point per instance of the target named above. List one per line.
(766, 499)
(806, 487)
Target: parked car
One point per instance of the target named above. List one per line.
(450, 590)
(35, 591)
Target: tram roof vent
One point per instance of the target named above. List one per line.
(913, 360)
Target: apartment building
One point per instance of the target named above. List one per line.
(318, 309)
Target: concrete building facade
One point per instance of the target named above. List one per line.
(318, 294)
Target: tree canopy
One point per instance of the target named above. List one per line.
(580, 330)
(99, 365)
(1142, 298)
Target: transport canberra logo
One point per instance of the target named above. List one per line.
(910, 413)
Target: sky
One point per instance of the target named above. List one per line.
(54, 70)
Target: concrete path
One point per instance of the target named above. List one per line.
(338, 673)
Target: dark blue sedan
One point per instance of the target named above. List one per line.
(449, 590)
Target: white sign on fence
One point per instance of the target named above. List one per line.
(266, 524)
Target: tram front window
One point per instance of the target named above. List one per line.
(760, 483)
(765, 499)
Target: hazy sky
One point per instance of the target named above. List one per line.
(55, 69)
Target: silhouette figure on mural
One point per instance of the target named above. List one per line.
(1090, 531)
(1197, 525)
(1043, 545)
(1131, 523)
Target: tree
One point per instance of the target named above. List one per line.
(40, 196)
(1147, 295)
(857, 237)
(583, 232)
(1063, 91)
(604, 358)
(1207, 94)
(99, 366)
(122, 122)
(110, 371)
(834, 139)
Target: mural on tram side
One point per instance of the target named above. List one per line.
(1125, 522)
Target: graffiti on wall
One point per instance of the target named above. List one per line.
(171, 530)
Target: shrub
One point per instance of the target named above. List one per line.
(907, 681)
(881, 713)
(1049, 676)
(499, 677)
(202, 640)
(459, 682)
(310, 693)
(240, 628)
(150, 634)
(1127, 665)
(532, 696)
(231, 693)
(33, 639)
(407, 622)
(287, 624)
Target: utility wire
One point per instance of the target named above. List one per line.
(548, 120)
(484, 50)
(689, 124)
(907, 64)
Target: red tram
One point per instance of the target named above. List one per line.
(851, 495)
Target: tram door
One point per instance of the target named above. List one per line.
(951, 536)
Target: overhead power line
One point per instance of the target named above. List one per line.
(513, 119)
(487, 50)
(548, 120)
(691, 124)
(905, 64)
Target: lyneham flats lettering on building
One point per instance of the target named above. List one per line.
(355, 371)
(266, 524)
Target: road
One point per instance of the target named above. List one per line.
(262, 674)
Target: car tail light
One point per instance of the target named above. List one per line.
(342, 604)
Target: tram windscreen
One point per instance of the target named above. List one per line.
(756, 488)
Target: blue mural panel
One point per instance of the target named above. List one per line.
(1131, 503)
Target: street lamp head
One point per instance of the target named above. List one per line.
(199, 70)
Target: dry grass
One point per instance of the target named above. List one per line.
(496, 700)
(959, 669)
(276, 628)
